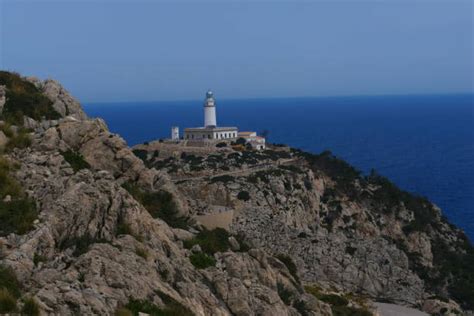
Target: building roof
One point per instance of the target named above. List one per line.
(247, 133)
(210, 129)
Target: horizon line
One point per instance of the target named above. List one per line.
(289, 97)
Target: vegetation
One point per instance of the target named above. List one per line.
(290, 265)
(9, 290)
(224, 178)
(339, 304)
(210, 241)
(81, 244)
(159, 204)
(75, 159)
(19, 212)
(140, 153)
(7, 302)
(285, 295)
(243, 195)
(24, 99)
(30, 308)
(201, 260)
(17, 216)
(9, 281)
(171, 308)
(142, 252)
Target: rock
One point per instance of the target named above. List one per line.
(234, 244)
(3, 139)
(437, 307)
(2, 97)
(63, 102)
(181, 234)
(7, 198)
(196, 249)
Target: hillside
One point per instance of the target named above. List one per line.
(90, 226)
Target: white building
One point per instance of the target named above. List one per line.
(175, 133)
(210, 130)
(253, 139)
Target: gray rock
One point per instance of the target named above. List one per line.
(2, 97)
(3, 139)
(234, 244)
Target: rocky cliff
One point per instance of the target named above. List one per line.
(88, 227)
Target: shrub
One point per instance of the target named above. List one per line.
(17, 216)
(240, 141)
(7, 302)
(201, 260)
(210, 241)
(30, 308)
(75, 159)
(159, 204)
(123, 228)
(23, 98)
(81, 244)
(224, 178)
(38, 258)
(122, 311)
(19, 140)
(8, 185)
(222, 144)
(243, 195)
(140, 153)
(289, 264)
(285, 294)
(142, 252)
(9, 281)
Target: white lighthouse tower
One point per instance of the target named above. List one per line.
(210, 110)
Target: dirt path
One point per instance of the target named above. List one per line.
(240, 172)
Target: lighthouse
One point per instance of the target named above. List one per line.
(210, 110)
(210, 132)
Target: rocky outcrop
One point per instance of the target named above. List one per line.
(298, 223)
(2, 97)
(63, 102)
(86, 207)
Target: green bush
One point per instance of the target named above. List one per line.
(140, 153)
(210, 241)
(7, 302)
(243, 195)
(201, 260)
(122, 311)
(81, 244)
(19, 140)
(9, 281)
(17, 216)
(30, 308)
(24, 99)
(224, 178)
(75, 159)
(8, 185)
(289, 264)
(285, 295)
(142, 252)
(159, 204)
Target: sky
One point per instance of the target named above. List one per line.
(143, 50)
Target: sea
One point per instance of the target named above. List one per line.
(423, 143)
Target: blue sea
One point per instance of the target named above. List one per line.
(425, 144)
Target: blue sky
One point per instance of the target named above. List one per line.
(165, 50)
